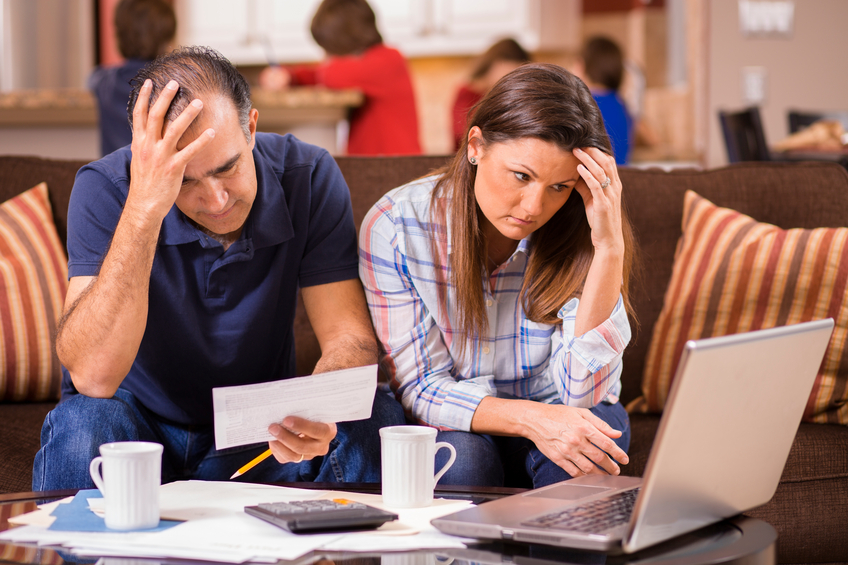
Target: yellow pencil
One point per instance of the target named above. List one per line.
(248, 466)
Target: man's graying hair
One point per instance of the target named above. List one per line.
(198, 70)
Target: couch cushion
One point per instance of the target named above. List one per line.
(788, 195)
(20, 173)
(733, 274)
(33, 282)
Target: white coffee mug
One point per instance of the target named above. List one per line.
(132, 472)
(409, 454)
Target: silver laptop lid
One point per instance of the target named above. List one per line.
(730, 415)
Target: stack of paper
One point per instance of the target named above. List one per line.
(206, 521)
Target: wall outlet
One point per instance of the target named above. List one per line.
(754, 85)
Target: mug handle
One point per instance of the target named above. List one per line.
(447, 465)
(94, 471)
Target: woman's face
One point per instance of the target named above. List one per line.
(520, 184)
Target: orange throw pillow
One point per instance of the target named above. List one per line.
(733, 274)
(33, 283)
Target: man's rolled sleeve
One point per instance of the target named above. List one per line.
(94, 209)
(330, 251)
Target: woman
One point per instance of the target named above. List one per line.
(499, 288)
(387, 122)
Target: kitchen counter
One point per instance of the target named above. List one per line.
(59, 107)
(303, 105)
(62, 123)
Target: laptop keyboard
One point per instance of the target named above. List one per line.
(595, 516)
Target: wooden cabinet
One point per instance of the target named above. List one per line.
(255, 32)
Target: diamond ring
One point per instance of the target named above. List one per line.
(606, 183)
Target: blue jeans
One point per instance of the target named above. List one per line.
(73, 432)
(483, 460)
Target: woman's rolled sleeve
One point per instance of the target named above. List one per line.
(587, 369)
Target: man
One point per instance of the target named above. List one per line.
(185, 254)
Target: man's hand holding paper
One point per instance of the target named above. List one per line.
(293, 414)
(299, 439)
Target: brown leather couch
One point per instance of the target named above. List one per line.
(810, 508)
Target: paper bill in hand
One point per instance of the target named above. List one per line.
(243, 413)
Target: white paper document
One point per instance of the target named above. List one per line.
(217, 528)
(243, 413)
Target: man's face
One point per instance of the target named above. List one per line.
(219, 184)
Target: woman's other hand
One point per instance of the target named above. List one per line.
(573, 438)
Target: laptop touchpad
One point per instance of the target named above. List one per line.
(568, 492)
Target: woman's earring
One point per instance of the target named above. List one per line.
(473, 160)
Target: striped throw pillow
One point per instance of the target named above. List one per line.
(33, 282)
(733, 274)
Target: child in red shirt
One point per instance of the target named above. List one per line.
(387, 122)
(499, 59)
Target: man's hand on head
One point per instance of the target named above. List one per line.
(158, 166)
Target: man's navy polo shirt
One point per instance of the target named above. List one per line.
(220, 318)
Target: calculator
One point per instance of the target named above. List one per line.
(311, 516)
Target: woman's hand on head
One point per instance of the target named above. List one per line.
(574, 438)
(600, 188)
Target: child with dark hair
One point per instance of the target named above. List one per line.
(499, 59)
(144, 29)
(387, 122)
(602, 69)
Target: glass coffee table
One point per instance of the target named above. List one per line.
(737, 540)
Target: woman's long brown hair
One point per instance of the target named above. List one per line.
(545, 102)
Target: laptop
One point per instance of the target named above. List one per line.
(731, 417)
